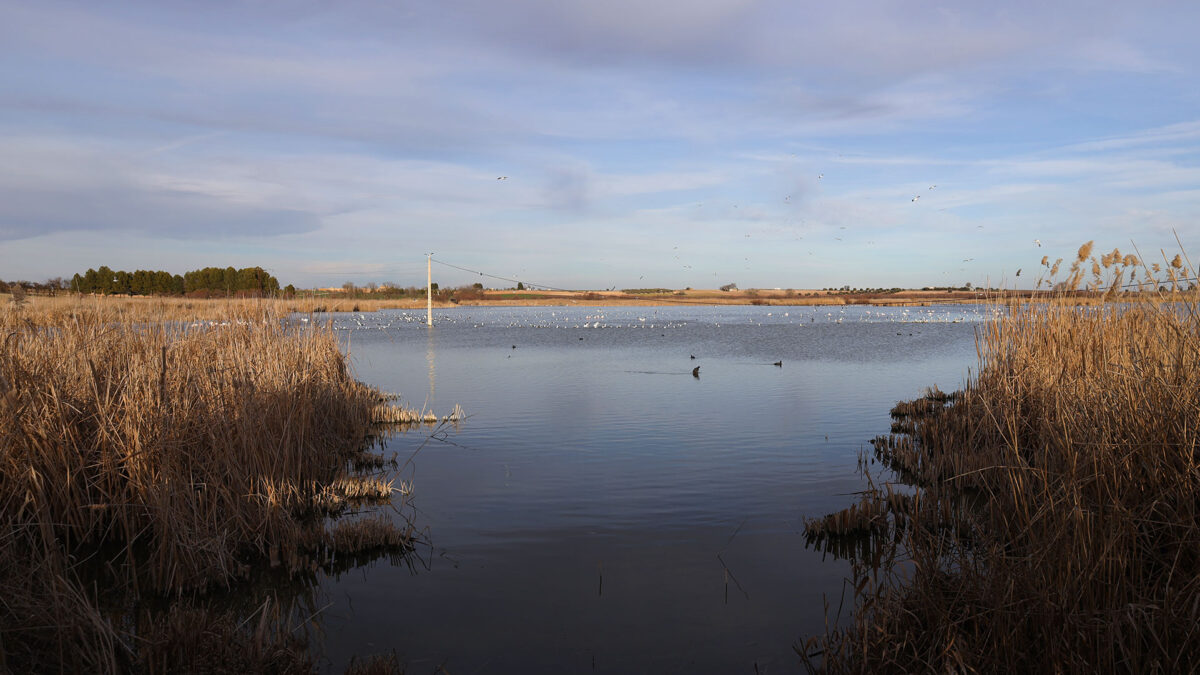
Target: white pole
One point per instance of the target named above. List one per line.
(429, 288)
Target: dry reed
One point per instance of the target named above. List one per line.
(171, 458)
(1057, 527)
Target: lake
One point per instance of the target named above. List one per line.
(604, 510)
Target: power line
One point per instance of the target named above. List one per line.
(493, 276)
(681, 301)
(657, 299)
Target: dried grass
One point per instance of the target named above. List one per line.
(159, 456)
(1057, 526)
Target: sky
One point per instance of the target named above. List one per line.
(590, 145)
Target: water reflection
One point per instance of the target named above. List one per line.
(430, 398)
(597, 518)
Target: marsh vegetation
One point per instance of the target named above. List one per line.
(143, 457)
(1045, 517)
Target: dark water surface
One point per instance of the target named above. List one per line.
(577, 516)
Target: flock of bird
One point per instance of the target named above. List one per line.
(660, 319)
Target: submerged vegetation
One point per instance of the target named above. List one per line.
(143, 459)
(1050, 520)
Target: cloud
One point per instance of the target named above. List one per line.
(50, 185)
(161, 213)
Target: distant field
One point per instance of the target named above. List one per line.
(53, 309)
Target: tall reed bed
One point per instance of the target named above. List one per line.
(159, 459)
(70, 308)
(1057, 522)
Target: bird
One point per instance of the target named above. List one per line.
(693, 356)
(1038, 242)
(696, 372)
(916, 198)
(778, 363)
(1019, 271)
(501, 177)
(932, 186)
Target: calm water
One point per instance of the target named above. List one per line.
(577, 516)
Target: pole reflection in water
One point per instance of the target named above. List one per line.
(429, 354)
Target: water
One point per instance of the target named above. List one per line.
(602, 509)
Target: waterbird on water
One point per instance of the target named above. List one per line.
(778, 363)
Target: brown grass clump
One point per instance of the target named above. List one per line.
(154, 459)
(1058, 526)
(187, 639)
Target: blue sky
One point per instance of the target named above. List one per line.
(771, 144)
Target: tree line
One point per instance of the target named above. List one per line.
(210, 281)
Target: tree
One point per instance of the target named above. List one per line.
(520, 286)
(105, 278)
(18, 294)
(123, 283)
(729, 287)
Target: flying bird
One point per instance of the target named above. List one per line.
(1038, 242)
(501, 177)
(1019, 271)
(932, 186)
(916, 198)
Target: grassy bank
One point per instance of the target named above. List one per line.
(64, 308)
(1055, 523)
(144, 460)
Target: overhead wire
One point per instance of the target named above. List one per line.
(532, 285)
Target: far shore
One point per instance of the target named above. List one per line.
(770, 297)
(361, 300)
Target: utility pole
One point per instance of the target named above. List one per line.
(429, 288)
